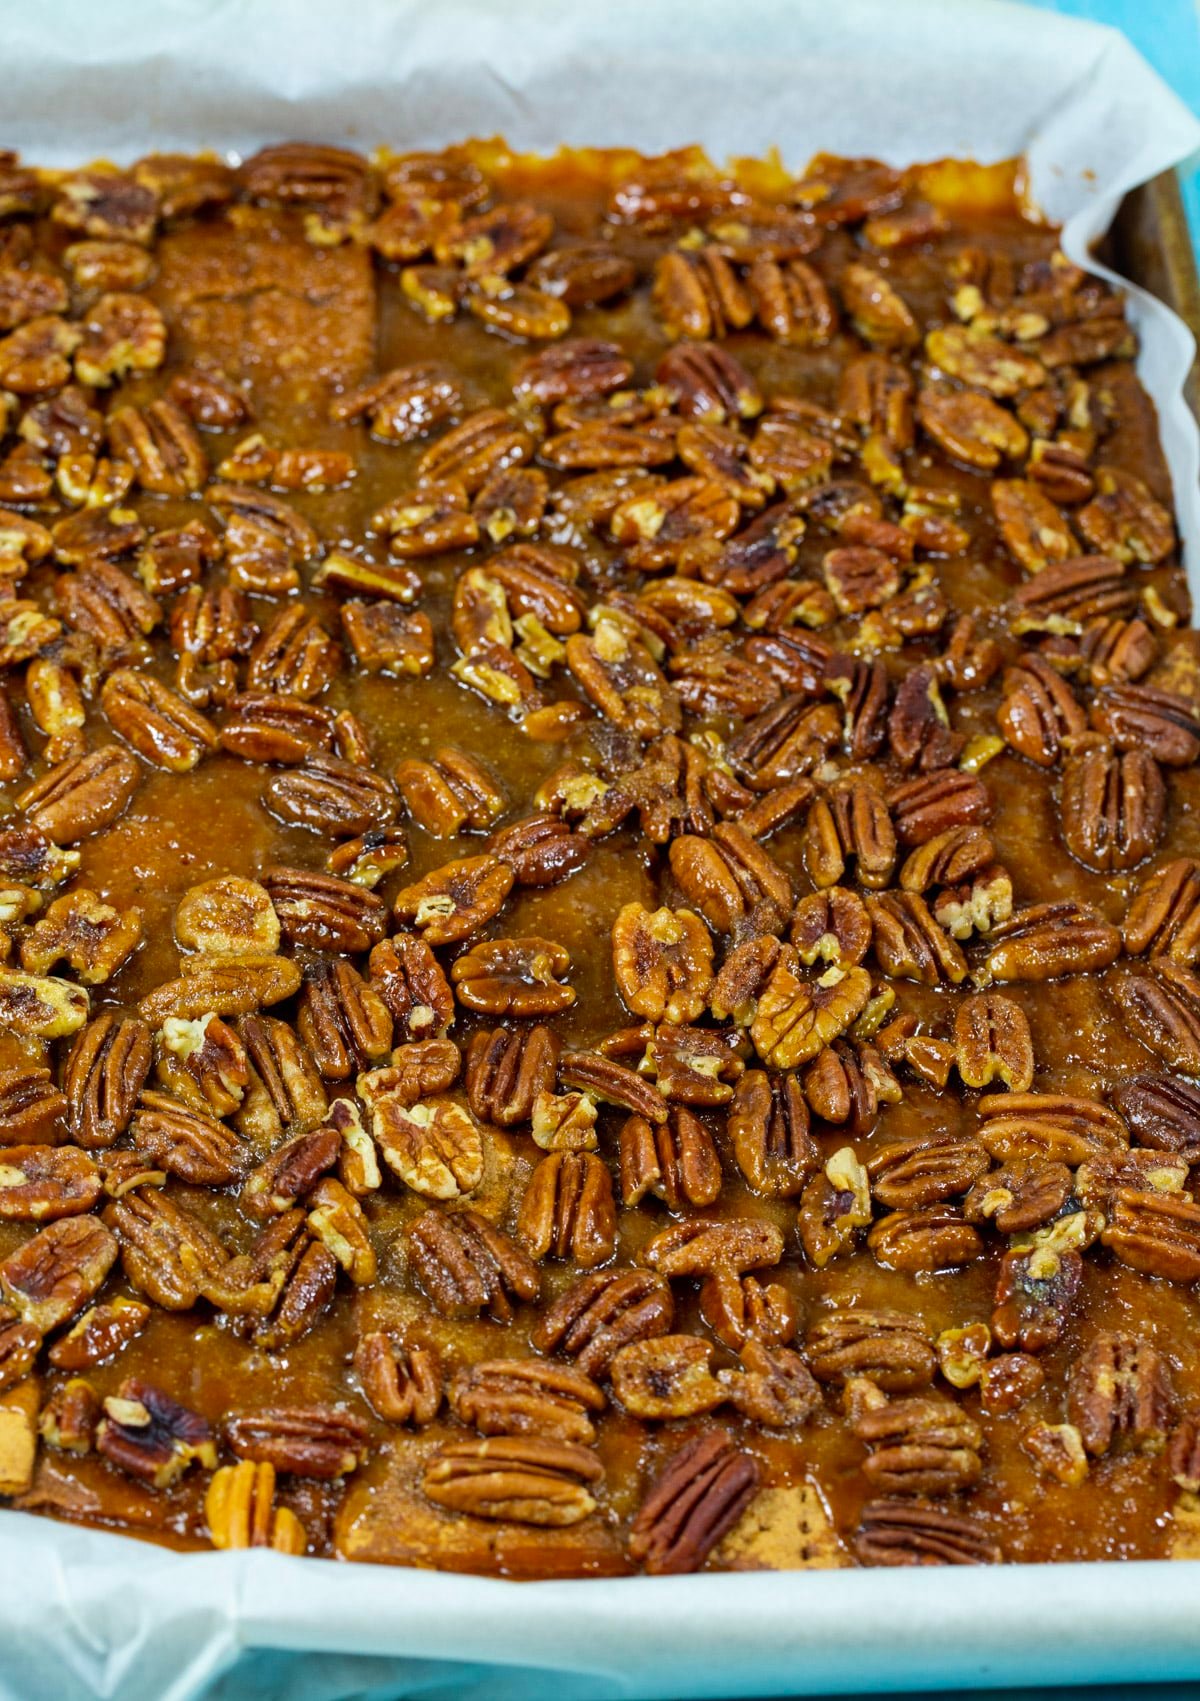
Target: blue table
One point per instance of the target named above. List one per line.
(1167, 33)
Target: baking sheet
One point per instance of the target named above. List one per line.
(84, 1613)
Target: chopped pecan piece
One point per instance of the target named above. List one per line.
(20, 1343)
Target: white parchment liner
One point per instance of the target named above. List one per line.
(84, 1613)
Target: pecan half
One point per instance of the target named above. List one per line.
(740, 1308)
(568, 1210)
(912, 1532)
(40, 1006)
(467, 1266)
(50, 1278)
(676, 1161)
(401, 1386)
(1039, 712)
(32, 1109)
(603, 1312)
(105, 1072)
(150, 1435)
(166, 1252)
(1155, 1233)
(696, 1247)
(82, 795)
(527, 1397)
(328, 795)
(164, 729)
(99, 1334)
(91, 937)
(514, 977)
(889, 1347)
(1161, 1007)
(662, 962)
(323, 912)
(241, 1511)
(795, 1018)
(307, 1441)
(411, 982)
(768, 1129)
(850, 824)
(508, 1071)
(1045, 941)
(1163, 917)
(1119, 1395)
(545, 1483)
(1113, 807)
(920, 1446)
(1161, 1111)
(435, 1147)
(992, 1042)
(451, 902)
(698, 1497)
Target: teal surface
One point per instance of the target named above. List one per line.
(1167, 33)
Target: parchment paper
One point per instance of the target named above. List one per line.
(83, 1613)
